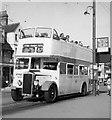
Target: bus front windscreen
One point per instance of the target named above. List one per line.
(22, 63)
(27, 33)
(43, 32)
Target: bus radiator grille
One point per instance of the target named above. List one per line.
(27, 84)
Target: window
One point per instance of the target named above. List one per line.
(83, 70)
(62, 68)
(39, 48)
(29, 49)
(26, 33)
(43, 32)
(16, 39)
(50, 65)
(22, 63)
(15, 50)
(69, 69)
(7, 53)
(35, 63)
(76, 70)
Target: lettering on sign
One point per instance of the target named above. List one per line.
(31, 48)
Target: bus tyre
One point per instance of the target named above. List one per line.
(84, 90)
(16, 95)
(51, 94)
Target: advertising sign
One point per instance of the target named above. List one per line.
(102, 44)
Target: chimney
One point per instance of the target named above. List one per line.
(4, 18)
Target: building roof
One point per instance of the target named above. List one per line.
(11, 27)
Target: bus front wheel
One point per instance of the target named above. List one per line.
(51, 94)
(16, 95)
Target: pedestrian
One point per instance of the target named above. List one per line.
(67, 38)
(109, 85)
(62, 36)
(98, 87)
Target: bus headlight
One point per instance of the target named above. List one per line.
(36, 82)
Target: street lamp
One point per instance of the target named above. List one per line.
(94, 40)
(86, 12)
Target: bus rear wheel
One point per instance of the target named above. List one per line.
(84, 89)
(51, 94)
(16, 95)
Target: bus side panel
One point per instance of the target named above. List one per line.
(75, 82)
(81, 81)
(70, 86)
(62, 84)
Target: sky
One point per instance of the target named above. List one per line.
(67, 17)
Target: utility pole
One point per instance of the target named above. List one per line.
(94, 45)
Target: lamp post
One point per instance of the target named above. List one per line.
(94, 41)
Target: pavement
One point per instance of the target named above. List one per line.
(6, 89)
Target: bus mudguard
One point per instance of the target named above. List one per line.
(46, 85)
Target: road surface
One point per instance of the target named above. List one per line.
(68, 107)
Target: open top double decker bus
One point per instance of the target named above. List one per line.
(48, 66)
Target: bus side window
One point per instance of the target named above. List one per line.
(62, 68)
(75, 69)
(83, 70)
(69, 69)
